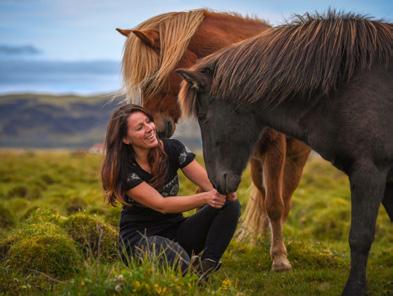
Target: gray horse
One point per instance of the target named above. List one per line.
(326, 80)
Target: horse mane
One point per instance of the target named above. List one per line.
(144, 71)
(311, 56)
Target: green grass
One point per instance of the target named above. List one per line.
(57, 234)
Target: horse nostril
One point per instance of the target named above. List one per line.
(224, 183)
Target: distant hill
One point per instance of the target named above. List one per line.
(68, 121)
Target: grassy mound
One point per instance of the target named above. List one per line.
(15, 283)
(36, 215)
(94, 237)
(27, 230)
(17, 206)
(7, 219)
(54, 255)
(31, 191)
(112, 216)
(40, 248)
(314, 255)
(75, 204)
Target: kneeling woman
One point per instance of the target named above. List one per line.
(140, 171)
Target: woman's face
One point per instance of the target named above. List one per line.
(141, 131)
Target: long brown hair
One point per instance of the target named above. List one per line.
(119, 156)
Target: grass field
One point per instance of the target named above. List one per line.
(57, 237)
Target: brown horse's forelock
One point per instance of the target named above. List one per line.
(311, 56)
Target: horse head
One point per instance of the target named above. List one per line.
(162, 103)
(229, 130)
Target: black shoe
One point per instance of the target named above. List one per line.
(204, 267)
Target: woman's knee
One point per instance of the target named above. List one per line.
(232, 207)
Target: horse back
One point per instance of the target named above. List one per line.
(356, 121)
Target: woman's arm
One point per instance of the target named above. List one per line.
(150, 197)
(198, 175)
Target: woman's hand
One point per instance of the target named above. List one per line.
(232, 196)
(215, 199)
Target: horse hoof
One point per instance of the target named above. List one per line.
(281, 264)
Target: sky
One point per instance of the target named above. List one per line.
(84, 30)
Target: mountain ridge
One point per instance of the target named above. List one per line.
(30, 120)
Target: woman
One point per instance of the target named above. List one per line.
(140, 171)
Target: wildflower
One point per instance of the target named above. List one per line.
(118, 288)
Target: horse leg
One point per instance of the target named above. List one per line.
(388, 200)
(367, 190)
(296, 157)
(274, 173)
(255, 220)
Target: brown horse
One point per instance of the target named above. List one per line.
(155, 48)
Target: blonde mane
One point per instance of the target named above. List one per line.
(144, 71)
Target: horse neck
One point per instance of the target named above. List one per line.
(221, 30)
(286, 118)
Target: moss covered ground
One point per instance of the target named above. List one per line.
(57, 237)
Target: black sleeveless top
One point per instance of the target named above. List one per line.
(137, 217)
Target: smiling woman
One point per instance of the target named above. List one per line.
(140, 171)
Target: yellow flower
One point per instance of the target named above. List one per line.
(226, 284)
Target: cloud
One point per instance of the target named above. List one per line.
(19, 50)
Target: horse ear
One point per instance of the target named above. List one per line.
(123, 32)
(194, 78)
(150, 38)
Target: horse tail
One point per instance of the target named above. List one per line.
(255, 221)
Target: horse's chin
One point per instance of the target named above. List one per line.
(166, 134)
(227, 183)
(167, 131)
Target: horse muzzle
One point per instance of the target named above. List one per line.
(227, 183)
(167, 129)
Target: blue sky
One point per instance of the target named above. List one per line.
(85, 29)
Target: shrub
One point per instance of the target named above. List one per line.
(94, 237)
